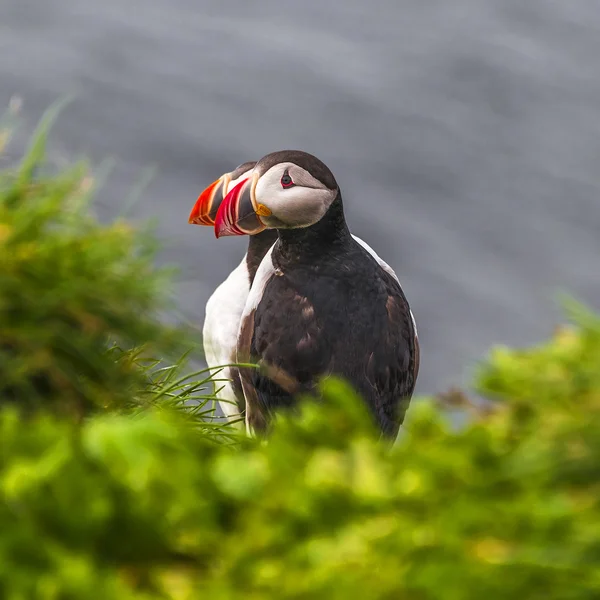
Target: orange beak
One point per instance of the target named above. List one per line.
(207, 205)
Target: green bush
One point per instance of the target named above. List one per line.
(69, 288)
(144, 505)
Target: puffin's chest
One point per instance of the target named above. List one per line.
(338, 302)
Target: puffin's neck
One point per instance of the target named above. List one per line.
(258, 246)
(330, 234)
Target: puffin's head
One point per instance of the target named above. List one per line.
(207, 205)
(285, 190)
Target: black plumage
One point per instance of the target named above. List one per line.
(328, 307)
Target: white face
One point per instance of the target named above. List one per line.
(301, 203)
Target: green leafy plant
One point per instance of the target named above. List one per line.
(145, 507)
(71, 287)
(173, 387)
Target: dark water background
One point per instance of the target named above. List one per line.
(465, 135)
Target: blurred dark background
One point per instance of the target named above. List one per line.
(465, 136)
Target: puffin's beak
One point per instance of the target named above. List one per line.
(207, 205)
(237, 214)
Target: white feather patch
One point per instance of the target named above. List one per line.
(265, 271)
(223, 314)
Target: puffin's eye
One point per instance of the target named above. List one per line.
(286, 180)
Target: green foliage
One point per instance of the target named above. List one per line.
(143, 504)
(144, 507)
(69, 288)
(173, 387)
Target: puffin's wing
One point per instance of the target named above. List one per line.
(393, 364)
(288, 355)
(392, 273)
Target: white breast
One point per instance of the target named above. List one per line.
(223, 314)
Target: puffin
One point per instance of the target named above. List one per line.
(320, 303)
(225, 306)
